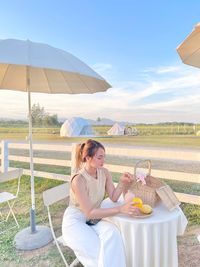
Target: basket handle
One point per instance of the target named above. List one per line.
(148, 161)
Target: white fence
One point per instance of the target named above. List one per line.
(160, 153)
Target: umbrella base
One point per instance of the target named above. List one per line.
(25, 240)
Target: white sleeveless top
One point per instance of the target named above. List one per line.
(95, 188)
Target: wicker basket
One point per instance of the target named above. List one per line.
(147, 192)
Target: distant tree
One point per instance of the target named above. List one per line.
(98, 119)
(42, 118)
(38, 114)
(13, 123)
(50, 120)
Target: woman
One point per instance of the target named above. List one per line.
(96, 243)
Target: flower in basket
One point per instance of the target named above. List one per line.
(140, 177)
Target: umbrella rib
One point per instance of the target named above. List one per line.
(90, 91)
(66, 81)
(72, 64)
(47, 81)
(4, 75)
(192, 54)
(97, 76)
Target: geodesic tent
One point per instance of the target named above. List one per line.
(76, 127)
(117, 129)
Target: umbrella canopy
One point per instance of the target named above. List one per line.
(35, 67)
(47, 69)
(189, 49)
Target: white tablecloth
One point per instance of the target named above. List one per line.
(152, 241)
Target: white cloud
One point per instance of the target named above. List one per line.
(168, 69)
(182, 103)
(166, 93)
(163, 69)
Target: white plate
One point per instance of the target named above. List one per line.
(142, 215)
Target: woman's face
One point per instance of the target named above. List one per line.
(98, 160)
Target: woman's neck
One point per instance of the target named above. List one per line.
(91, 171)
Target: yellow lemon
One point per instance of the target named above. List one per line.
(147, 209)
(139, 202)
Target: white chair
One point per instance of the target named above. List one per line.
(7, 197)
(50, 197)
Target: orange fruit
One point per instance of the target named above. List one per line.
(139, 202)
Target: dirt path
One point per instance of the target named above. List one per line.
(189, 248)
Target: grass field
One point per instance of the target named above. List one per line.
(178, 141)
(149, 135)
(8, 254)
(157, 129)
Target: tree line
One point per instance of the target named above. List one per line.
(40, 118)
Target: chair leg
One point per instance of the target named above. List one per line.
(6, 219)
(11, 212)
(55, 240)
(10, 207)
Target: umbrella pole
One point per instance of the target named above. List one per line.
(32, 211)
(29, 238)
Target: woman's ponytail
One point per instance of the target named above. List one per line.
(79, 154)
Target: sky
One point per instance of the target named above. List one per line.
(132, 44)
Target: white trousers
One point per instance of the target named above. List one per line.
(100, 245)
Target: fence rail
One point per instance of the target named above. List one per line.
(127, 151)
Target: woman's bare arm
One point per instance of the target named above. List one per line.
(79, 188)
(115, 192)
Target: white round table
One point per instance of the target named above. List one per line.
(151, 241)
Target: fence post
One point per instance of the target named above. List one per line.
(4, 156)
(73, 159)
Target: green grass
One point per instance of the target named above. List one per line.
(176, 141)
(8, 254)
(150, 135)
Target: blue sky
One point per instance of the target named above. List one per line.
(132, 44)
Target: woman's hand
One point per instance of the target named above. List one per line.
(129, 209)
(125, 181)
(126, 178)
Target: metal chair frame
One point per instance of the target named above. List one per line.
(9, 198)
(50, 197)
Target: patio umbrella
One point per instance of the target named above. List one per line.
(35, 67)
(189, 49)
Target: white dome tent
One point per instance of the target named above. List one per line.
(117, 129)
(76, 126)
